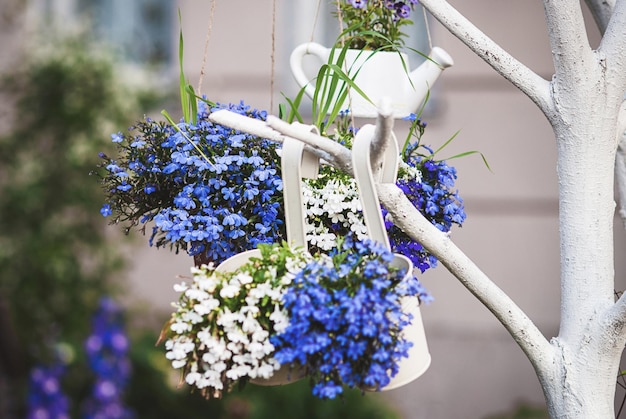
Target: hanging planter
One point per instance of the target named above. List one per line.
(354, 314)
(377, 74)
(220, 333)
(418, 359)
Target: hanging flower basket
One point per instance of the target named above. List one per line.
(220, 332)
(337, 318)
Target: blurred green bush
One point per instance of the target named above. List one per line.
(57, 258)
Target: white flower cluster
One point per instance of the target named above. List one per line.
(337, 201)
(408, 172)
(221, 329)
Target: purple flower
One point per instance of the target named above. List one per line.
(45, 398)
(106, 349)
(403, 10)
(359, 4)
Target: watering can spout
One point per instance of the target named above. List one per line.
(424, 77)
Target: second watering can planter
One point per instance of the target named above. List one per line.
(419, 357)
(379, 74)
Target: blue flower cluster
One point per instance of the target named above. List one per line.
(106, 349)
(107, 355)
(346, 321)
(432, 192)
(45, 397)
(210, 190)
(434, 196)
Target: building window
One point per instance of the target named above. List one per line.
(140, 31)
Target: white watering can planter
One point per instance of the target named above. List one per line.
(419, 358)
(296, 162)
(378, 74)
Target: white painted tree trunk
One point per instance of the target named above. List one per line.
(584, 103)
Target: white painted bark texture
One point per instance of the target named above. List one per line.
(584, 103)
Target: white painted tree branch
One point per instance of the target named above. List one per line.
(322, 147)
(571, 53)
(513, 318)
(601, 11)
(339, 156)
(530, 83)
(614, 47)
(616, 317)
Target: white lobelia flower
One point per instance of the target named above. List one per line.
(206, 338)
(219, 366)
(252, 300)
(250, 324)
(266, 370)
(250, 310)
(244, 359)
(280, 319)
(236, 336)
(275, 294)
(206, 306)
(230, 290)
(180, 287)
(261, 290)
(220, 350)
(192, 317)
(210, 358)
(256, 350)
(244, 278)
(260, 335)
(196, 294)
(178, 363)
(228, 319)
(180, 327)
(193, 377)
(238, 371)
(234, 348)
(207, 283)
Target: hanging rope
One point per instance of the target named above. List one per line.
(317, 15)
(206, 46)
(345, 64)
(273, 58)
(430, 40)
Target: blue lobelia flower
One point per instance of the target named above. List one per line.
(346, 321)
(210, 190)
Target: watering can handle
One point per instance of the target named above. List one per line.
(296, 63)
(365, 180)
(296, 162)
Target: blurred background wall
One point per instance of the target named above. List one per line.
(512, 228)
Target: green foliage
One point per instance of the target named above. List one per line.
(54, 259)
